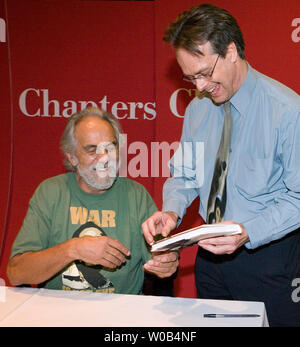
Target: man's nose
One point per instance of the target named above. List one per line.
(102, 155)
(201, 84)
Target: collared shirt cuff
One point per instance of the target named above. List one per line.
(176, 207)
(253, 230)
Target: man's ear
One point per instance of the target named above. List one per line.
(72, 159)
(232, 52)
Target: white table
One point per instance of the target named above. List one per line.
(41, 307)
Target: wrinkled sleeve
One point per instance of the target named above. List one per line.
(283, 215)
(34, 233)
(186, 168)
(146, 207)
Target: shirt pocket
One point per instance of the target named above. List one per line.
(253, 175)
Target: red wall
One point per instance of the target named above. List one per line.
(56, 55)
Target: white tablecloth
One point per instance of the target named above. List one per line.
(41, 307)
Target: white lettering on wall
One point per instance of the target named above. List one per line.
(39, 103)
(22, 102)
(174, 99)
(296, 32)
(42, 105)
(2, 30)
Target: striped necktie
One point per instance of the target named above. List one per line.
(217, 197)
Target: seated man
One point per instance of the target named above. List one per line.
(83, 229)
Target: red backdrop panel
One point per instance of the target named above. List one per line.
(6, 126)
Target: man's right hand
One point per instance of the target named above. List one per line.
(159, 223)
(100, 250)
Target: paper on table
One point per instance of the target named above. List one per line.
(190, 237)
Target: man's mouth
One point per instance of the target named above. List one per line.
(101, 167)
(214, 89)
(105, 169)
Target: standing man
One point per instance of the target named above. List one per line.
(249, 125)
(83, 230)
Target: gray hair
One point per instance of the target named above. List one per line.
(68, 141)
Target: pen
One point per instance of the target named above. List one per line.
(229, 315)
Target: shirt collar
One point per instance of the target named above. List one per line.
(241, 99)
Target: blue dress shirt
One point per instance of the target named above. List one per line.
(263, 182)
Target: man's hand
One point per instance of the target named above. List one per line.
(159, 223)
(225, 244)
(101, 250)
(162, 264)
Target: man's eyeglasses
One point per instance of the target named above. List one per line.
(201, 75)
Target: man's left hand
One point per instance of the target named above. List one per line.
(225, 244)
(162, 264)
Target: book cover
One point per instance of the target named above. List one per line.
(190, 237)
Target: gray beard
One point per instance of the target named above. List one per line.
(91, 181)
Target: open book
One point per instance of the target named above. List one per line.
(190, 237)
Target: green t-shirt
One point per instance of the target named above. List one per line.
(60, 210)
